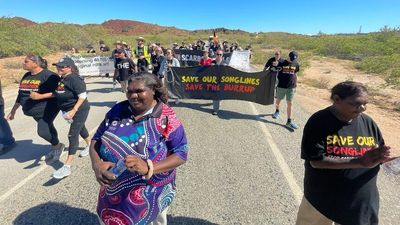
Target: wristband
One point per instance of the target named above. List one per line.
(150, 171)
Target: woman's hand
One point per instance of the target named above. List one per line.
(11, 115)
(375, 156)
(136, 164)
(35, 96)
(103, 176)
(70, 114)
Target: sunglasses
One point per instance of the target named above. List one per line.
(219, 54)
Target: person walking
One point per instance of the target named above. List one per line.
(342, 150)
(157, 61)
(71, 98)
(135, 153)
(205, 60)
(218, 61)
(165, 69)
(7, 140)
(273, 63)
(287, 83)
(126, 68)
(40, 80)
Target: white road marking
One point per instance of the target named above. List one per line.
(296, 190)
(31, 176)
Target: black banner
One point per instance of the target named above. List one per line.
(192, 57)
(221, 82)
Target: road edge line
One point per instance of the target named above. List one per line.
(296, 190)
(31, 176)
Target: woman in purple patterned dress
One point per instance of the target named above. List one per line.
(144, 135)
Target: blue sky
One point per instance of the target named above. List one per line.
(301, 16)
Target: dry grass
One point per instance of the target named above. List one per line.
(11, 70)
(322, 83)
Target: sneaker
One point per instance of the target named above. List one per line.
(291, 125)
(84, 152)
(215, 113)
(54, 154)
(62, 172)
(176, 101)
(275, 115)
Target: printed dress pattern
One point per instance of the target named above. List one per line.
(131, 199)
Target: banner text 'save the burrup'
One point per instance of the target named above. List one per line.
(221, 83)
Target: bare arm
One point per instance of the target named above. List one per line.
(100, 167)
(37, 96)
(11, 115)
(73, 111)
(136, 164)
(295, 80)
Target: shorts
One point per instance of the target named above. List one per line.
(288, 92)
(308, 215)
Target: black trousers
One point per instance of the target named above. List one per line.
(77, 129)
(45, 126)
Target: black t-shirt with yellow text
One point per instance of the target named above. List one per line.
(43, 82)
(346, 196)
(287, 74)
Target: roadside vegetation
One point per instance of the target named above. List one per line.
(376, 53)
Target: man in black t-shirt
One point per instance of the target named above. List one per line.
(273, 62)
(287, 83)
(126, 68)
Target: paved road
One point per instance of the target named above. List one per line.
(244, 168)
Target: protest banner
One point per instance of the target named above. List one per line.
(192, 57)
(220, 83)
(240, 60)
(96, 65)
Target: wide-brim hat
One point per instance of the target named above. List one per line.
(124, 43)
(118, 43)
(65, 62)
(140, 39)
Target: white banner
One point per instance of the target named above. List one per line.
(96, 65)
(241, 60)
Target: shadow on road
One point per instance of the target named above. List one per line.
(227, 114)
(106, 90)
(51, 213)
(108, 81)
(103, 104)
(25, 150)
(187, 221)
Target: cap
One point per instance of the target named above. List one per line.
(293, 55)
(119, 50)
(65, 62)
